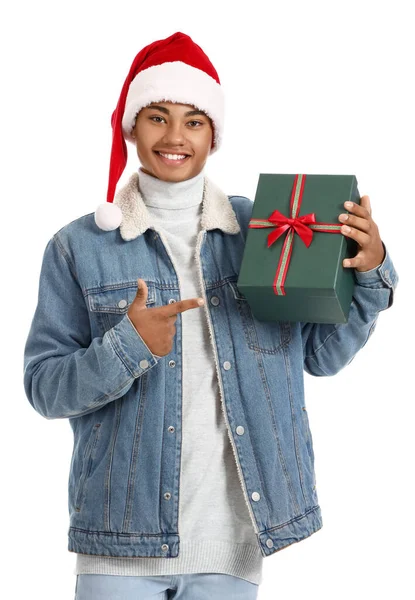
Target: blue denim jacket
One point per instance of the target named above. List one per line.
(85, 361)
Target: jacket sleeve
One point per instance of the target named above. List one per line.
(66, 373)
(329, 348)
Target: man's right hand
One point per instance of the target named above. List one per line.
(156, 325)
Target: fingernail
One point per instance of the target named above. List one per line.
(200, 301)
(348, 204)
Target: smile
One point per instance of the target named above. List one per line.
(172, 159)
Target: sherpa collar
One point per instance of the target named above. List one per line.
(217, 211)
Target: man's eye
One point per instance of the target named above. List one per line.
(162, 118)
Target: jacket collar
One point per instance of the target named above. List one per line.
(217, 211)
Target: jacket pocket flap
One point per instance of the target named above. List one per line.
(117, 298)
(236, 291)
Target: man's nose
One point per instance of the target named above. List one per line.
(174, 134)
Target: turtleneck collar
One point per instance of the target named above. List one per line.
(171, 195)
(217, 210)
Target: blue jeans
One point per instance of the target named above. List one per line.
(198, 586)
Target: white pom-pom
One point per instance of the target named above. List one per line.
(108, 216)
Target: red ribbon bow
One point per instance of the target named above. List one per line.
(299, 224)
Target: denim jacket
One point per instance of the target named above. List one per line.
(85, 361)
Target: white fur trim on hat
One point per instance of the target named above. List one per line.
(175, 82)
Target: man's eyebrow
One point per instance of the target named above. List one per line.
(190, 113)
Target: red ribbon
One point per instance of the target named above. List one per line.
(304, 226)
(298, 224)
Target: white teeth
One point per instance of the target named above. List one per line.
(173, 156)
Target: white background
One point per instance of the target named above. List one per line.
(311, 87)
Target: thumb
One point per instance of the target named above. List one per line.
(365, 202)
(142, 293)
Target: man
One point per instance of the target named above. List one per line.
(192, 452)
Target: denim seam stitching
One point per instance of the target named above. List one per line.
(65, 256)
(294, 519)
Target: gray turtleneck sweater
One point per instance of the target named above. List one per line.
(215, 528)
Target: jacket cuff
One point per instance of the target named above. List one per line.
(382, 274)
(131, 348)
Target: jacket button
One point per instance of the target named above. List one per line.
(165, 547)
(172, 301)
(122, 303)
(269, 543)
(143, 364)
(215, 300)
(172, 363)
(256, 496)
(226, 365)
(240, 430)
(170, 429)
(167, 495)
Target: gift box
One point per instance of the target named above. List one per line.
(292, 266)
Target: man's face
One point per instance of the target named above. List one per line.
(168, 127)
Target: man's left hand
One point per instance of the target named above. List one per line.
(364, 230)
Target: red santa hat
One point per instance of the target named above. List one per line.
(173, 70)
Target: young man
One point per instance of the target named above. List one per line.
(193, 457)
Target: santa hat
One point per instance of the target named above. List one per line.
(173, 70)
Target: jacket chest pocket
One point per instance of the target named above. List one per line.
(268, 337)
(109, 304)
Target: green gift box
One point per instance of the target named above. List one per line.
(292, 266)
